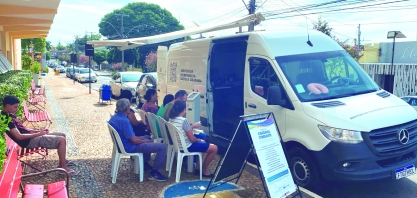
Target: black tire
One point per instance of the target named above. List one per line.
(125, 94)
(304, 171)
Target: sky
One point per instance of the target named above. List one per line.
(78, 17)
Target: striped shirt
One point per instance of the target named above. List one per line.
(183, 125)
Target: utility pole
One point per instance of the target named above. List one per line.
(359, 37)
(123, 37)
(89, 63)
(251, 9)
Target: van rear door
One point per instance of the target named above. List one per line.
(161, 69)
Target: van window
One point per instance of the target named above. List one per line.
(325, 75)
(336, 67)
(262, 76)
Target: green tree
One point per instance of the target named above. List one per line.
(39, 44)
(81, 41)
(48, 55)
(100, 56)
(60, 47)
(323, 26)
(153, 20)
(48, 46)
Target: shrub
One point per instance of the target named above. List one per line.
(35, 68)
(14, 83)
(116, 66)
(150, 62)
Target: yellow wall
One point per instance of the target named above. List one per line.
(370, 54)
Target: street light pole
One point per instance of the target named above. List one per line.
(123, 37)
(393, 35)
(393, 48)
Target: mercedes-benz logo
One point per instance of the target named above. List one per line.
(403, 136)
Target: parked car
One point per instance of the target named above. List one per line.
(411, 100)
(76, 69)
(147, 81)
(61, 69)
(69, 72)
(123, 84)
(83, 75)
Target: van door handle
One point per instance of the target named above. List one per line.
(251, 105)
(159, 90)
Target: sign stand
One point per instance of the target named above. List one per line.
(257, 134)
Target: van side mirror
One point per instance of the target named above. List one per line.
(274, 96)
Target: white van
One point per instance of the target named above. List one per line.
(355, 132)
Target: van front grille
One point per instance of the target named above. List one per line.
(386, 141)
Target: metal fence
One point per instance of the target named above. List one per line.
(405, 76)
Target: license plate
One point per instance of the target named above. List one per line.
(405, 171)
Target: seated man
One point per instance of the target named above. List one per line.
(139, 144)
(27, 138)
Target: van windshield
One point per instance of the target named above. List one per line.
(325, 75)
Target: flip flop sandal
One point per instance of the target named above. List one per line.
(71, 163)
(70, 173)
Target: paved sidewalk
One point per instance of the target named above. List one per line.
(79, 115)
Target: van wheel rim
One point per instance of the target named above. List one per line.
(301, 171)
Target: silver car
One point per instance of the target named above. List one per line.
(411, 100)
(123, 84)
(83, 75)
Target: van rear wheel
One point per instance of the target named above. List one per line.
(305, 173)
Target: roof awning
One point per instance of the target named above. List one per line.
(124, 44)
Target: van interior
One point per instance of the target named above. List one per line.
(226, 78)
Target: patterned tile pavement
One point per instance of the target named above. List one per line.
(79, 115)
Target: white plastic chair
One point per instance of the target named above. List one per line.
(152, 121)
(120, 152)
(114, 150)
(142, 114)
(179, 147)
(167, 140)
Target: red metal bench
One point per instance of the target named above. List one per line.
(36, 91)
(35, 118)
(10, 178)
(38, 102)
(55, 190)
(25, 153)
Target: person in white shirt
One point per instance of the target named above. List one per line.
(193, 144)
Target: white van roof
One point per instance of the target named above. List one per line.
(283, 43)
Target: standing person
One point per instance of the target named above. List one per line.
(139, 144)
(193, 144)
(28, 138)
(167, 99)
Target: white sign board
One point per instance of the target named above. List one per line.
(271, 158)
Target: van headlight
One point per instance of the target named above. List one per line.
(341, 135)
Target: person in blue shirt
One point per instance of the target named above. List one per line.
(139, 144)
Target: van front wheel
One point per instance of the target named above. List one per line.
(304, 171)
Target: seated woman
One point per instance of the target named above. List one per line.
(167, 99)
(151, 98)
(193, 144)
